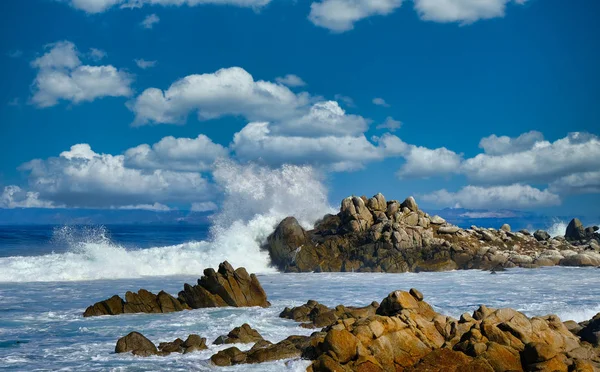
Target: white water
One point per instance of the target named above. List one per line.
(255, 200)
(46, 317)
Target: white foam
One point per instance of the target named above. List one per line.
(255, 200)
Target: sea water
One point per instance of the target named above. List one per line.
(42, 328)
(50, 274)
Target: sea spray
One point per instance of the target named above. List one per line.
(255, 199)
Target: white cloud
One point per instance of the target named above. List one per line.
(390, 124)
(81, 177)
(544, 162)
(255, 142)
(380, 102)
(181, 154)
(14, 197)
(150, 21)
(494, 145)
(158, 207)
(204, 207)
(422, 162)
(340, 15)
(291, 80)
(233, 91)
(463, 11)
(510, 197)
(61, 76)
(99, 6)
(143, 64)
(228, 91)
(323, 118)
(577, 183)
(97, 54)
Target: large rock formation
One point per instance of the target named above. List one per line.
(315, 315)
(225, 287)
(406, 334)
(240, 335)
(374, 235)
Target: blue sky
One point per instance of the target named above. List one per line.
(493, 105)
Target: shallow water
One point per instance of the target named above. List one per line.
(41, 326)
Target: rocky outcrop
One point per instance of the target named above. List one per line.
(240, 335)
(315, 315)
(225, 287)
(379, 235)
(137, 344)
(407, 334)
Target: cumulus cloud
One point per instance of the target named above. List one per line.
(291, 80)
(340, 15)
(15, 197)
(234, 92)
(181, 154)
(81, 177)
(203, 207)
(463, 11)
(256, 142)
(543, 162)
(99, 6)
(143, 64)
(150, 21)
(422, 162)
(512, 196)
(390, 124)
(577, 183)
(494, 145)
(380, 102)
(228, 91)
(62, 76)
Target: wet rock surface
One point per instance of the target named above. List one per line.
(405, 333)
(225, 287)
(240, 335)
(379, 235)
(138, 344)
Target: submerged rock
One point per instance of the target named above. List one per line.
(225, 287)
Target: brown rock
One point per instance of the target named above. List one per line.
(137, 344)
(395, 302)
(341, 344)
(111, 306)
(240, 335)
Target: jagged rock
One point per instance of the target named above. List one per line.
(315, 315)
(227, 287)
(287, 239)
(590, 332)
(137, 344)
(240, 335)
(364, 238)
(437, 220)
(411, 204)
(575, 230)
(448, 230)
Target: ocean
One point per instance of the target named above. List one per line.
(50, 274)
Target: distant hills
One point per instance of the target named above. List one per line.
(41, 216)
